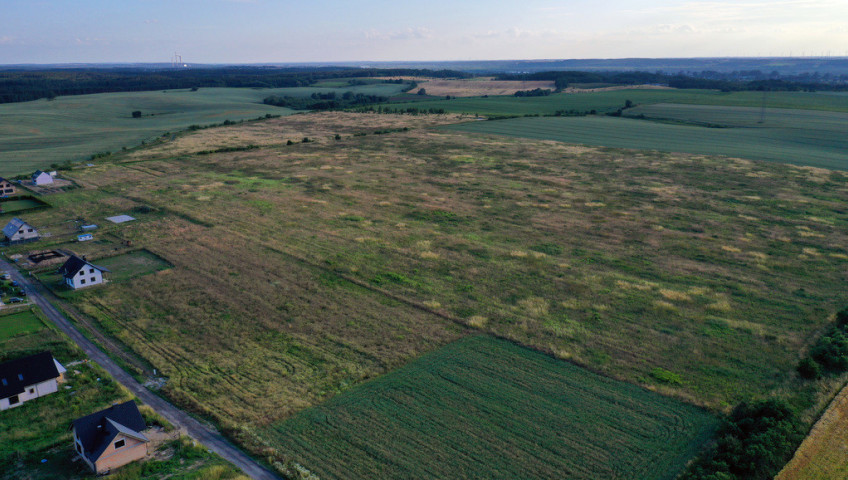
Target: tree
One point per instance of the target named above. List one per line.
(136, 114)
(421, 91)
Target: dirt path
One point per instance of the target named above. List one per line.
(195, 429)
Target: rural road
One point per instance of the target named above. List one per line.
(196, 430)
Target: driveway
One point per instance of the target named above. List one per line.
(207, 436)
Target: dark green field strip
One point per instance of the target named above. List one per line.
(486, 408)
(818, 148)
(612, 100)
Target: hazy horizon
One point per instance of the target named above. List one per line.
(262, 31)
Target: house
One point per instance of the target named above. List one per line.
(111, 438)
(79, 273)
(41, 178)
(6, 187)
(18, 231)
(28, 378)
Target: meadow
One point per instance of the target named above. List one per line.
(40, 133)
(610, 101)
(801, 137)
(486, 408)
(17, 205)
(303, 270)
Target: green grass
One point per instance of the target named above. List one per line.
(39, 133)
(799, 137)
(19, 323)
(16, 205)
(131, 265)
(612, 100)
(486, 408)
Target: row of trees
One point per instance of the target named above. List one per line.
(324, 101)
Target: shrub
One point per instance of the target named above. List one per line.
(809, 369)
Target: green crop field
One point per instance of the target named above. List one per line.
(800, 137)
(486, 408)
(131, 265)
(19, 323)
(612, 100)
(40, 133)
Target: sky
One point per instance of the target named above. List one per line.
(267, 31)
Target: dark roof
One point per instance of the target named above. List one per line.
(17, 374)
(38, 172)
(75, 264)
(97, 430)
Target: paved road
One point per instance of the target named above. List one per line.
(196, 430)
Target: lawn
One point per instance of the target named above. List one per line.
(16, 205)
(19, 323)
(801, 137)
(131, 265)
(609, 101)
(486, 408)
(39, 133)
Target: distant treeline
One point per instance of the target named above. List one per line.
(26, 85)
(735, 81)
(324, 101)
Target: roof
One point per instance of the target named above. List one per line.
(96, 431)
(38, 173)
(75, 264)
(120, 218)
(17, 374)
(13, 226)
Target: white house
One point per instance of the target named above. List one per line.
(27, 378)
(41, 178)
(17, 231)
(79, 273)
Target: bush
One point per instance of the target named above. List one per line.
(809, 369)
(136, 114)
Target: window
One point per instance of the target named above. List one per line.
(90, 270)
(82, 282)
(92, 279)
(31, 391)
(29, 230)
(79, 448)
(120, 443)
(81, 273)
(14, 400)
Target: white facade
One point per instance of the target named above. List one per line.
(42, 178)
(86, 277)
(31, 392)
(24, 232)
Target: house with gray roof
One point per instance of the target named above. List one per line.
(111, 438)
(27, 378)
(18, 231)
(41, 178)
(80, 273)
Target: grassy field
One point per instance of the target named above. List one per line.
(486, 408)
(38, 430)
(822, 455)
(40, 133)
(19, 323)
(810, 138)
(302, 270)
(17, 205)
(131, 265)
(612, 100)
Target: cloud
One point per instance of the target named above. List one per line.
(151, 20)
(7, 40)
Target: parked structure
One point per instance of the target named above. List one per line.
(111, 438)
(41, 178)
(28, 378)
(79, 273)
(17, 231)
(6, 187)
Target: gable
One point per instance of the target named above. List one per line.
(16, 375)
